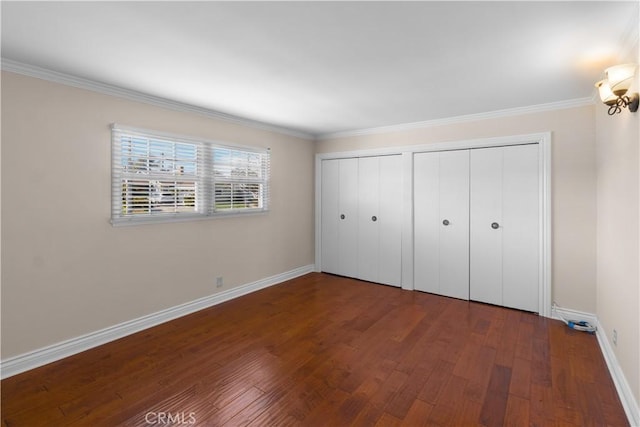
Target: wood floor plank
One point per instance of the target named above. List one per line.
(369, 416)
(399, 405)
(321, 415)
(478, 378)
(226, 413)
(517, 412)
(322, 350)
(418, 414)
(521, 378)
(436, 381)
(541, 406)
(493, 337)
(446, 407)
(495, 403)
(524, 346)
(507, 347)
(541, 362)
(387, 420)
(565, 393)
(468, 414)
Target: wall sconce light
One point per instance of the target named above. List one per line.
(614, 88)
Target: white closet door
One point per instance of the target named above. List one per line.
(505, 226)
(441, 223)
(426, 224)
(521, 212)
(348, 218)
(368, 230)
(454, 237)
(380, 219)
(330, 215)
(389, 220)
(486, 225)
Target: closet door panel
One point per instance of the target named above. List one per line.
(330, 215)
(389, 220)
(521, 227)
(454, 237)
(348, 224)
(426, 205)
(505, 258)
(486, 225)
(441, 223)
(368, 230)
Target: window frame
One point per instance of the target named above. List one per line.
(204, 178)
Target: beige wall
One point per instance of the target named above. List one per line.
(618, 255)
(67, 271)
(573, 185)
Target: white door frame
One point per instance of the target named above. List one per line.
(544, 143)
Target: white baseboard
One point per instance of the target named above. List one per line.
(568, 314)
(629, 403)
(627, 399)
(52, 353)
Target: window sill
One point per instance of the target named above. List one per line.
(127, 222)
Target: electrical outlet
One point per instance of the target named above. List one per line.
(219, 282)
(615, 337)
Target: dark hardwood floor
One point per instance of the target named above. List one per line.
(329, 351)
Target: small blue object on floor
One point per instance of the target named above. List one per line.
(581, 326)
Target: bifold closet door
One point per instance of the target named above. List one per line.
(504, 226)
(339, 216)
(380, 219)
(441, 223)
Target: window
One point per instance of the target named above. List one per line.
(159, 177)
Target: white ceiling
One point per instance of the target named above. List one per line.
(326, 67)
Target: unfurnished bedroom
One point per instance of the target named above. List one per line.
(343, 213)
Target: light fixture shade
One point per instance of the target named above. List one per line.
(606, 95)
(620, 78)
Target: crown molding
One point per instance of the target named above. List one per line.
(132, 95)
(107, 89)
(571, 103)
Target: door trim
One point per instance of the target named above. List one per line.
(544, 143)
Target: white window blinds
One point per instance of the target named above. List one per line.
(159, 177)
(239, 179)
